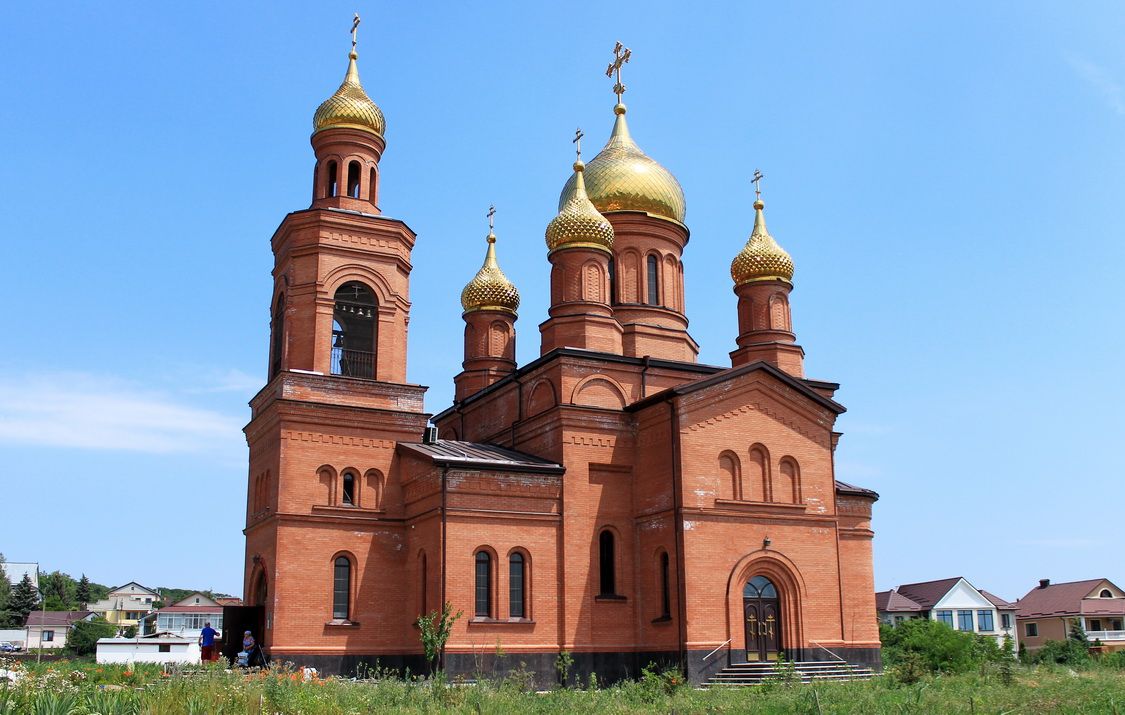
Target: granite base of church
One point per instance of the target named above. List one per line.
(541, 669)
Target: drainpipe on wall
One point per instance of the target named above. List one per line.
(677, 511)
(444, 472)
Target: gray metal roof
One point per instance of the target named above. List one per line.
(453, 453)
(845, 488)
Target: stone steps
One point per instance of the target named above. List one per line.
(742, 674)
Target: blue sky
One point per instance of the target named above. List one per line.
(948, 179)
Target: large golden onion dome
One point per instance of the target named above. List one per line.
(623, 178)
(578, 222)
(761, 258)
(490, 289)
(350, 106)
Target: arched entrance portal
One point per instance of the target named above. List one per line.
(762, 619)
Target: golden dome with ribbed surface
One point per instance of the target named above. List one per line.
(350, 106)
(623, 178)
(761, 258)
(490, 289)
(578, 222)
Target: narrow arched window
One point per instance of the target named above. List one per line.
(665, 588)
(347, 495)
(333, 179)
(516, 574)
(483, 584)
(341, 588)
(653, 281)
(278, 335)
(353, 179)
(607, 571)
(371, 187)
(612, 282)
(355, 324)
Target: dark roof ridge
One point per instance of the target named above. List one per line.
(689, 387)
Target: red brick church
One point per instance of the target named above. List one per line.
(613, 498)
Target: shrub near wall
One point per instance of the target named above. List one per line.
(921, 646)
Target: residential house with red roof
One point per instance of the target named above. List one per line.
(953, 601)
(187, 616)
(48, 629)
(1049, 610)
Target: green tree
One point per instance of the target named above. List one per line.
(83, 636)
(23, 599)
(931, 646)
(5, 584)
(61, 587)
(7, 618)
(82, 592)
(436, 628)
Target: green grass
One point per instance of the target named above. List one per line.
(85, 689)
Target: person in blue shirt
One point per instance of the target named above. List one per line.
(207, 643)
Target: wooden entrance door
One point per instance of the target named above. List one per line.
(762, 616)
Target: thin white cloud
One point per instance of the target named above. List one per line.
(1102, 82)
(84, 411)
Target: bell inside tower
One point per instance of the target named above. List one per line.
(354, 331)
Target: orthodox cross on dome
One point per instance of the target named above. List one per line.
(355, 30)
(577, 141)
(491, 213)
(621, 55)
(757, 181)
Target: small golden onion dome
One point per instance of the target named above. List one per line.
(350, 106)
(490, 289)
(623, 178)
(578, 222)
(761, 258)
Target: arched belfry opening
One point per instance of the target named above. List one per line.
(355, 322)
(353, 179)
(761, 610)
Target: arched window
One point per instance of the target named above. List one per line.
(347, 494)
(1106, 593)
(790, 487)
(608, 573)
(516, 573)
(731, 469)
(759, 587)
(612, 282)
(341, 588)
(278, 335)
(665, 587)
(483, 584)
(371, 187)
(333, 179)
(653, 281)
(755, 486)
(353, 179)
(355, 322)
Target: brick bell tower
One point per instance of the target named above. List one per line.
(323, 430)
(763, 277)
(580, 249)
(490, 302)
